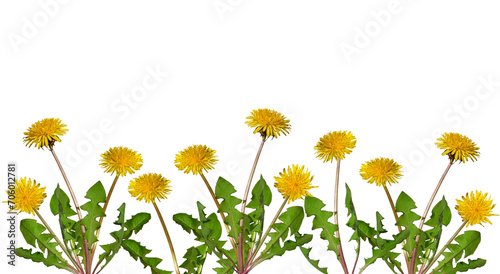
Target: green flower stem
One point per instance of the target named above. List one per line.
(218, 206)
(102, 217)
(77, 265)
(443, 249)
(422, 221)
(244, 203)
(78, 210)
(263, 238)
(399, 227)
(168, 238)
(336, 218)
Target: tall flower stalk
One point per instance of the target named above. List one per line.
(120, 161)
(474, 209)
(383, 171)
(196, 159)
(268, 123)
(458, 148)
(293, 183)
(44, 134)
(151, 187)
(335, 145)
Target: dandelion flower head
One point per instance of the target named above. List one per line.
(28, 195)
(195, 159)
(45, 133)
(268, 122)
(475, 208)
(381, 171)
(335, 145)
(458, 147)
(294, 182)
(149, 187)
(121, 160)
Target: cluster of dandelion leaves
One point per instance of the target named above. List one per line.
(236, 234)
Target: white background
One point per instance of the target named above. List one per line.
(395, 73)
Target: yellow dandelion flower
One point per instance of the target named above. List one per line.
(336, 145)
(268, 122)
(381, 171)
(45, 133)
(476, 208)
(458, 147)
(28, 195)
(195, 159)
(294, 183)
(121, 160)
(150, 187)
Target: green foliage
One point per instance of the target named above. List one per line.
(208, 230)
(261, 197)
(441, 215)
(195, 258)
(96, 195)
(381, 248)
(353, 220)
(466, 245)
(60, 205)
(111, 249)
(34, 235)
(127, 229)
(223, 190)
(290, 225)
(314, 263)
(38, 257)
(313, 207)
(405, 205)
(211, 232)
(137, 251)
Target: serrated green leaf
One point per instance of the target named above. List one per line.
(441, 215)
(137, 251)
(290, 223)
(278, 250)
(132, 225)
(405, 205)
(195, 258)
(467, 244)
(384, 251)
(373, 236)
(314, 263)
(462, 267)
(187, 222)
(223, 190)
(380, 230)
(353, 220)
(261, 197)
(224, 269)
(38, 257)
(211, 232)
(96, 194)
(111, 249)
(33, 234)
(261, 194)
(136, 222)
(60, 205)
(313, 207)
